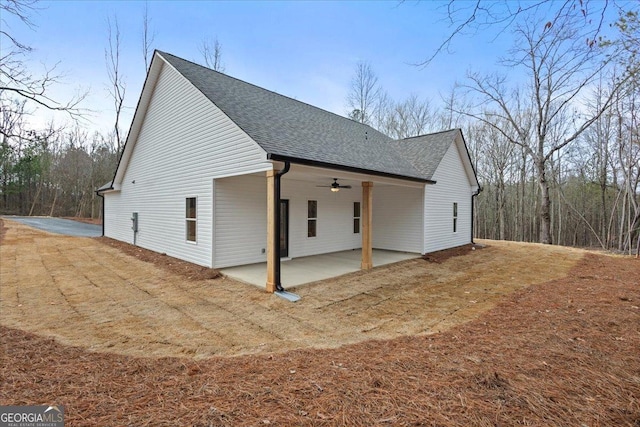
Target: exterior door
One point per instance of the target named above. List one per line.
(284, 228)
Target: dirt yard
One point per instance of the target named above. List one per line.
(562, 351)
(86, 294)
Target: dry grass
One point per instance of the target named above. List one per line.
(559, 353)
(87, 294)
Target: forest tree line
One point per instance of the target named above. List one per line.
(54, 172)
(557, 152)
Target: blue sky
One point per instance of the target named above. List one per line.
(303, 49)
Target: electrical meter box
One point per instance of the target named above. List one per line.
(134, 222)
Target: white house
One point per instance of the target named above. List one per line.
(214, 168)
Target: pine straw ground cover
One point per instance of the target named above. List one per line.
(561, 353)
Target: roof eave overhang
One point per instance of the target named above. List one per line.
(101, 191)
(107, 191)
(308, 162)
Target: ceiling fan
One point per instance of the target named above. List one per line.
(335, 187)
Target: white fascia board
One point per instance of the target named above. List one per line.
(463, 152)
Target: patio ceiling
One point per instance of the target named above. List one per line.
(321, 176)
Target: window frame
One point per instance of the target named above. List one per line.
(191, 220)
(312, 219)
(357, 219)
(455, 217)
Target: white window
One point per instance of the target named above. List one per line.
(312, 218)
(455, 217)
(191, 218)
(356, 217)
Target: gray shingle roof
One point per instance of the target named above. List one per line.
(425, 152)
(285, 127)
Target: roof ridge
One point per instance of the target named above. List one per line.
(427, 134)
(272, 91)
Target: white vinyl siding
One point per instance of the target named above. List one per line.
(334, 224)
(452, 187)
(397, 218)
(184, 143)
(240, 220)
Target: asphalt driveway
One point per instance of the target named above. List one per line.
(65, 227)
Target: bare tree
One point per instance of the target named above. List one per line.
(628, 42)
(447, 117)
(363, 94)
(468, 18)
(599, 140)
(543, 120)
(498, 152)
(211, 51)
(628, 152)
(382, 118)
(411, 117)
(117, 86)
(16, 79)
(148, 37)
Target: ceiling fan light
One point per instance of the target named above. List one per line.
(335, 189)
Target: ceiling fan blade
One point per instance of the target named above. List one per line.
(335, 185)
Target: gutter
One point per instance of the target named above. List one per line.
(478, 191)
(276, 240)
(101, 196)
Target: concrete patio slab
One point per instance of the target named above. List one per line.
(299, 271)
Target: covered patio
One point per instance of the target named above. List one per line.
(309, 269)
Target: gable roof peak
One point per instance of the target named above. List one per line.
(339, 116)
(287, 128)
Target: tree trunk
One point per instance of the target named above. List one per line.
(501, 208)
(53, 205)
(35, 200)
(623, 213)
(523, 181)
(545, 205)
